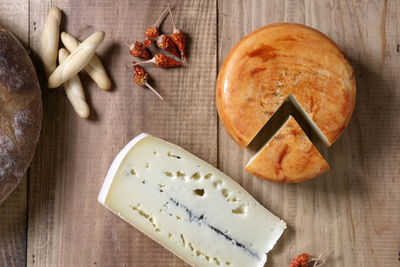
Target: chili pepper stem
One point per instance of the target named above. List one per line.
(172, 18)
(321, 260)
(127, 67)
(158, 22)
(153, 60)
(130, 46)
(154, 91)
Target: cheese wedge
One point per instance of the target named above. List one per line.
(281, 60)
(289, 156)
(188, 206)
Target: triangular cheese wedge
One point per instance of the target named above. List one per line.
(278, 61)
(289, 156)
(188, 206)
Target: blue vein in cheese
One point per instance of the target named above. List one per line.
(202, 220)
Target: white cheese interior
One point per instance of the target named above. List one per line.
(314, 126)
(188, 206)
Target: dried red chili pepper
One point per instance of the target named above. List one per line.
(140, 75)
(139, 50)
(165, 42)
(303, 260)
(161, 61)
(153, 32)
(300, 261)
(178, 36)
(150, 33)
(141, 78)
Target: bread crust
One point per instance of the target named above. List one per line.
(20, 112)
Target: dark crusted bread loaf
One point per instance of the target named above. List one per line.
(20, 112)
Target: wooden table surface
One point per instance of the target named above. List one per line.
(352, 212)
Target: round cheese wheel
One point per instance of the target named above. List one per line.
(20, 112)
(281, 60)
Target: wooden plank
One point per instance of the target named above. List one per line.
(352, 211)
(13, 215)
(14, 16)
(67, 226)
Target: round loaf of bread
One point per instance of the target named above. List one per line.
(20, 112)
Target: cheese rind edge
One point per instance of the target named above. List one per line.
(115, 165)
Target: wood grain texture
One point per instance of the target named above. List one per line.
(13, 211)
(13, 220)
(350, 212)
(67, 226)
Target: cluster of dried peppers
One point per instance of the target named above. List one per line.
(174, 44)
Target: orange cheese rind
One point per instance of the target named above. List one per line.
(281, 60)
(289, 156)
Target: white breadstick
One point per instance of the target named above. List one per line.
(74, 90)
(94, 68)
(76, 61)
(49, 40)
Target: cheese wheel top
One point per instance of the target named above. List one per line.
(289, 157)
(279, 60)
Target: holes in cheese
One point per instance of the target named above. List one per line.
(169, 174)
(197, 252)
(161, 187)
(183, 240)
(196, 176)
(225, 192)
(233, 199)
(191, 246)
(181, 175)
(200, 220)
(142, 213)
(173, 156)
(240, 210)
(208, 176)
(148, 217)
(199, 192)
(217, 184)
